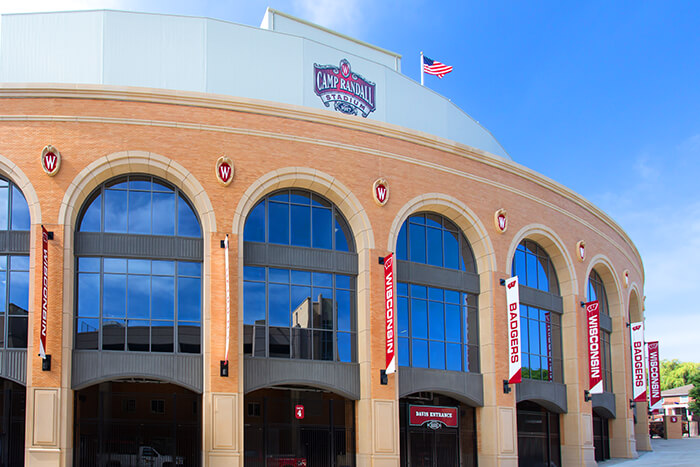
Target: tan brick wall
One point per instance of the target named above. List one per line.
(340, 158)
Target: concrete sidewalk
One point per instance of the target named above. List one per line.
(666, 453)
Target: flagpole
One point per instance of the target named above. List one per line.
(421, 69)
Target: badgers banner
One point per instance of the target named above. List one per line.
(639, 381)
(513, 312)
(595, 373)
(389, 309)
(654, 374)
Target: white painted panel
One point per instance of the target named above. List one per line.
(289, 26)
(204, 55)
(414, 106)
(255, 63)
(52, 48)
(155, 51)
(462, 128)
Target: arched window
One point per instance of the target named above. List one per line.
(14, 266)
(540, 313)
(139, 269)
(534, 268)
(299, 279)
(596, 291)
(437, 293)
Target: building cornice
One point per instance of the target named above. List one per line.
(295, 112)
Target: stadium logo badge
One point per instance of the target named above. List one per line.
(349, 92)
(50, 160)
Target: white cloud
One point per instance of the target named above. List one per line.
(657, 205)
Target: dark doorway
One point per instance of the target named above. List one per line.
(299, 427)
(538, 436)
(12, 407)
(428, 443)
(601, 437)
(130, 424)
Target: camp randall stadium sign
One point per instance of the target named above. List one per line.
(349, 92)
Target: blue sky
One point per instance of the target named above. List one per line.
(603, 97)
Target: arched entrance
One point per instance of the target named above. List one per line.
(298, 427)
(12, 409)
(129, 423)
(601, 436)
(436, 431)
(539, 441)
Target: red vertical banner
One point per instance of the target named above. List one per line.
(654, 374)
(513, 312)
(595, 367)
(639, 381)
(390, 308)
(548, 322)
(228, 301)
(44, 290)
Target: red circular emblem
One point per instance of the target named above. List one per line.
(381, 191)
(581, 248)
(502, 221)
(345, 68)
(224, 170)
(50, 160)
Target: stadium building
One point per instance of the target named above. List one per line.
(196, 218)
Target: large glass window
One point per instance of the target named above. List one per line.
(14, 268)
(291, 313)
(138, 305)
(437, 325)
(541, 327)
(298, 218)
(541, 344)
(128, 300)
(429, 238)
(139, 205)
(534, 268)
(596, 291)
(440, 331)
(306, 309)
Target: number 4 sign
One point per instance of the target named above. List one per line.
(299, 412)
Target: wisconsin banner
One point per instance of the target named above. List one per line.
(654, 374)
(595, 372)
(639, 381)
(44, 290)
(513, 312)
(389, 309)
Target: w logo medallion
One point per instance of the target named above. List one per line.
(380, 191)
(224, 170)
(50, 160)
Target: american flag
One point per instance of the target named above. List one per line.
(433, 67)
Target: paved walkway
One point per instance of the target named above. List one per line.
(666, 453)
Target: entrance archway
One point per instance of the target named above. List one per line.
(601, 436)
(137, 423)
(298, 427)
(12, 410)
(539, 439)
(437, 430)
